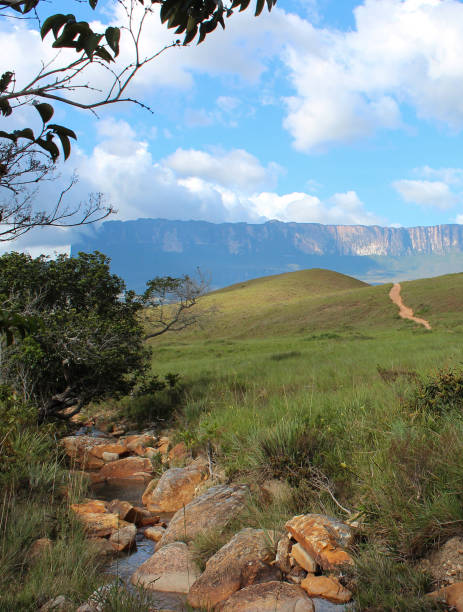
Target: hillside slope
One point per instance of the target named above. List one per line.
(310, 301)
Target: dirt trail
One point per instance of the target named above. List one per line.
(404, 311)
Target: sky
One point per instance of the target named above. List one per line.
(324, 111)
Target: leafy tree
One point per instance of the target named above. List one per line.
(90, 342)
(27, 157)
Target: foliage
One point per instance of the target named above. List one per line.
(440, 393)
(90, 343)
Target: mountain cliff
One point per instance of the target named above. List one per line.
(233, 252)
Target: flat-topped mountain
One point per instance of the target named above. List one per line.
(234, 252)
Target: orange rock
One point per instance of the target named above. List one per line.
(129, 467)
(176, 488)
(268, 597)
(326, 587)
(123, 509)
(323, 538)
(303, 559)
(154, 533)
(163, 445)
(136, 440)
(111, 447)
(148, 491)
(178, 452)
(94, 506)
(79, 448)
(452, 595)
(101, 525)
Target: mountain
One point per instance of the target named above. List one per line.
(234, 252)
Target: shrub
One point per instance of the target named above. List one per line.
(440, 393)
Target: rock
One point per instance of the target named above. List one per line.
(272, 596)
(81, 450)
(296, 575)
(323, 538)
(451, 595)
(326, 587)
(129, 467)
(303, 559)
(211, 510)
(176, 488)
(178, 453)
(282, 557)
(101, 525)
(58, 604)
(124, 538)
(114, 448)
(138, 440)
(94, 506)
(170, 569)
(145, 518)
(154, 533)
(101, 547)
(150, 487)
(446, 564)
(151, 452)
(163, 445)
(38, 548)
(123, 509)
(107, 457)
(234, 566)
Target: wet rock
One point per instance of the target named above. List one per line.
(323, 538)
(234, 566)
(124, 538)
(94, 506)
(101, 525)
(213, 509)
(270, 596)
(136, 468)
(303, 559)
(154, 533)
(326, 587)
(176, 488)
(170, 569)
(451, 595)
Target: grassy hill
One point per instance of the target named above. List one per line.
(315, 300)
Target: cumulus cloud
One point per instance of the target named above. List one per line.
(436, 194)
(350, 84)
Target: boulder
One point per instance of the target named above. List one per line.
(323, 538)
(107, 457)
(241, 562)
(124, 538)
(123, 509)
(38, 548)
(451, 595)
(303, 559)
(136, 468)
(176, 488)
(163, 445)
(101, 547)
(272, 596)
(170, 569)
(81, 448)
(114, 448)
(101, 525)
(138, 441)
(94, 506)
(283, 551)
(211, 510)
(178, 453)
(326, 587)
(154, 533)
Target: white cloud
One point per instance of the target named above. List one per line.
(435, 194)
(451, 176)
(349, 84)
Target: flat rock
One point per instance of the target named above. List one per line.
(326, 587)
(170, 569)
(323, 538)
(101, 525)
(303, 559)
(211, 510)
(94, 506)
(124, 538)
(272, 596)
(176, 488)
(241, 562)
(154, 533)
(129, 467)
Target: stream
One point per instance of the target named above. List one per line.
(125, 564)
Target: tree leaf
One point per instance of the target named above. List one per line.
(189, 36)
(5, 108)
(93, 3)
(62, 129)
(113, 36)
(25, 133)
(7, 135)
(259, 7)
(55, 23)
(45, 111)
(49, 146)
(104, 55)
(5, 80)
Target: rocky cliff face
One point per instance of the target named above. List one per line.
(233, 252)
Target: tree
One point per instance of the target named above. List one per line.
(26, 158)
(87, 342)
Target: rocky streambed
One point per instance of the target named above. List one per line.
(143, 522)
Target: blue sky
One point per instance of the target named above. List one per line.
(322, 111)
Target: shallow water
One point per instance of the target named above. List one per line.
(124, 565)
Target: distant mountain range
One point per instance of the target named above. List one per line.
(233, 252)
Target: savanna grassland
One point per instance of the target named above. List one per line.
(313, 379)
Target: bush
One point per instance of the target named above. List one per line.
(154, 401)
(440, 393)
